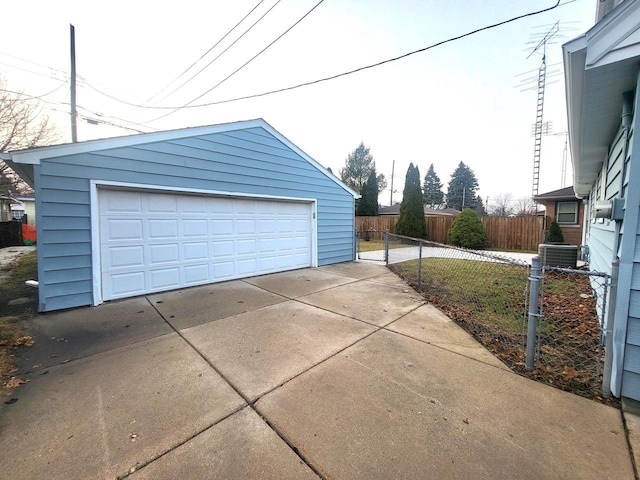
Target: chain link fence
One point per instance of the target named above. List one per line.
(484, 292)
(488, 294)
(569, 349)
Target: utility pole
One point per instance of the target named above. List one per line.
(74, 113)
(393, 167)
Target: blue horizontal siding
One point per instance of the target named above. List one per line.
(633, 333)
(66, 223)
(245, 162)
(67, 262)
(632, 359)
(72, 300)
(631, 385)
(67, 236)
(69, 274)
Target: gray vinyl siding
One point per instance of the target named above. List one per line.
(601, 232)
(630, 253)
(249, 161)
(621, 178)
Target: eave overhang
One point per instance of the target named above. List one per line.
(599, 67)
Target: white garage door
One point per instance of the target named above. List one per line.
(151, 242)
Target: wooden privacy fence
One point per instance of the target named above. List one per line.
(10, 234)
(505, 233)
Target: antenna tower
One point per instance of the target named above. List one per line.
(542, 73)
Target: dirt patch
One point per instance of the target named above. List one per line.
(17, 303)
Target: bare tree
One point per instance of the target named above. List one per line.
(525, 206)
(22, 125)
(502, 205)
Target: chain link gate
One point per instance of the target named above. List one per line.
(371, 245)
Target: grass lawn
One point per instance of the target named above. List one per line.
(371, 245)
(494, 292)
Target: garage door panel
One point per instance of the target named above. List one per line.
(126, 256)
(125, 229)
(124, 202)
(246, 226)
(266, 226)
(222, 227)
(161, 279)
(223, 249)
(267, 245)
(163, 228)
(246, 266)
(196, 251)
(195, 228)
(161, 203)
(245, 246)
(152, 242)
(268, 264)
(127, 284)
(166, 253)
(196, 274)
(192, 205)
(224, 270)
(220, 205)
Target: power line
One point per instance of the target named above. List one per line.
(102, 115)
(34, 63)
(244, 64)
(203, 55)
(324, 79)
(38, 97)
(366, 67)
(221, 53)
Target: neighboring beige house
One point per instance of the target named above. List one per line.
(24, 206)
(565, 208)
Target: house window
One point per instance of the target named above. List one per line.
(567, 213)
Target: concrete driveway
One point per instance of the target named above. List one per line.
(338, 372)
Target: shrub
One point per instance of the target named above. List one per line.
(554, 234)
(467, 231)
(366, 236)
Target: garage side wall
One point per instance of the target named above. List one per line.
(249, 161)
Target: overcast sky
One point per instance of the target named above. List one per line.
(462, 101)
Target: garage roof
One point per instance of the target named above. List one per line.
(22, 161)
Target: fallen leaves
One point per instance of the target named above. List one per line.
(27, 341)
(570, 372)
(15, 382)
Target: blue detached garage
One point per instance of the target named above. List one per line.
(133, 215)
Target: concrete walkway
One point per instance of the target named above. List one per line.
(339, 372)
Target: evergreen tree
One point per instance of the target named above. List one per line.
(479, 207)
(368, 204)
(554, 235)
(412, 222)
(432, 190)
(468, 231)
(462, 191)
(357, 168)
